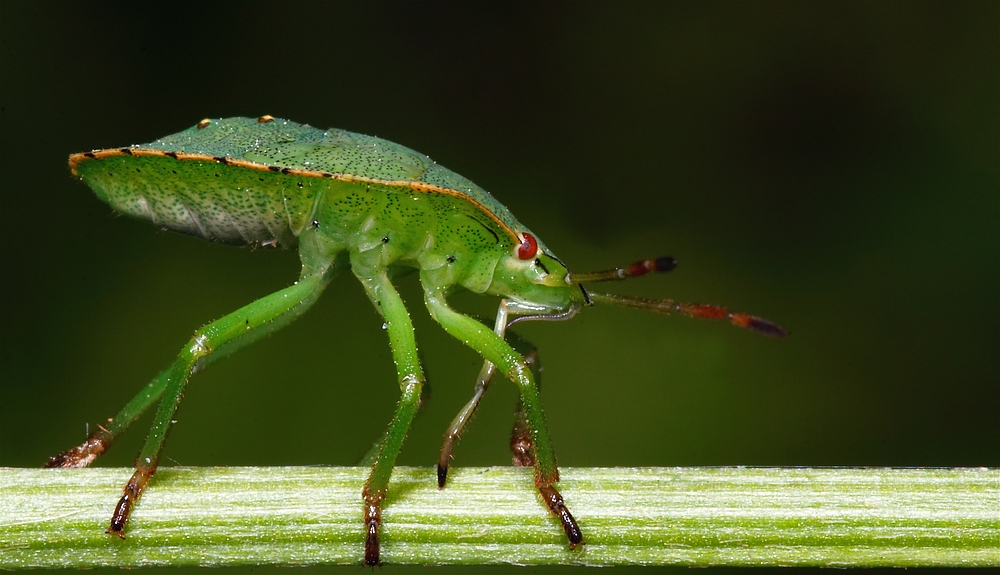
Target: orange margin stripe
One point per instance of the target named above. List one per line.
(76, 159)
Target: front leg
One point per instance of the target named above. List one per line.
(411, 381)
(521, 446)
(520, 441)
(498, 352)
(465, 415)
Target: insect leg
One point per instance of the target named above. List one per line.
(220, 337)
(411, 381)
(465, 414)
(497, 351)
(101, 440)
(461, 420)
(521, 445)
(372, 454)
(520, 442)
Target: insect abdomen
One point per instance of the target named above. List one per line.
(210, 199)
(266, 181)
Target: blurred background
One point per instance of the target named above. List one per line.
(832, 167)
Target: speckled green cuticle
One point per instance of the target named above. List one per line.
(352, 201)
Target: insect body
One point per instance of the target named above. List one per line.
(334, 193)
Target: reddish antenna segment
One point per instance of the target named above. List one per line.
(639, 268)
(667, 306)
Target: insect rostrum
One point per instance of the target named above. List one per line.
(268, 181)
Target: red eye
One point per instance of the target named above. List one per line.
(528, 248)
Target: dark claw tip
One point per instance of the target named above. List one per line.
(442, 475)
(57, 461)
(371, 551)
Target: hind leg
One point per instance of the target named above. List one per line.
(217, 339)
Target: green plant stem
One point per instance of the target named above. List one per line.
(649, 516)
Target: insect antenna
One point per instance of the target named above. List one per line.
(639, 268)
(668, 306)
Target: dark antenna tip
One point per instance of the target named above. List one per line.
(766, 327)
(665, 264)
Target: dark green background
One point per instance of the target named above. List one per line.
(833, 167)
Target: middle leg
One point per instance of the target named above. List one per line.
(411, 381)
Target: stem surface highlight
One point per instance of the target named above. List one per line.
(649, 516)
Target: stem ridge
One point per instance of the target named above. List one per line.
(233, 516)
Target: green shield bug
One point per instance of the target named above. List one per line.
(333, 193)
